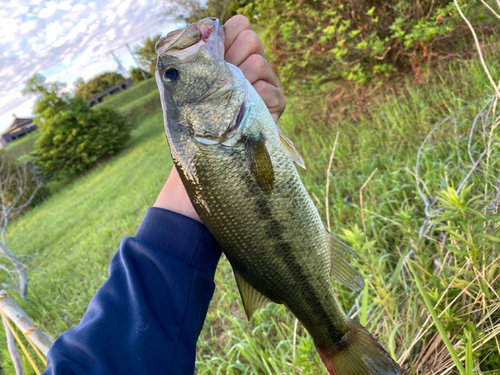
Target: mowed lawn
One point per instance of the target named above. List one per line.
(68, 240)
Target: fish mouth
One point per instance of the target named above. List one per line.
(185, 43)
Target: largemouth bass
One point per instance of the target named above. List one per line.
(238, 169)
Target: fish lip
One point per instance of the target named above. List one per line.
(206, 27)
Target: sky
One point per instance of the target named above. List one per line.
(67, 39)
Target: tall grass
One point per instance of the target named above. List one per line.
(376, 204)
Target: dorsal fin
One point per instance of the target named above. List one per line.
(291, 149)
(342, 270)
(251, 298)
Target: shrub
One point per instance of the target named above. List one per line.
(75, 138)
(358, 40)
(20, 184)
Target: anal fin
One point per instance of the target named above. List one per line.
(252, 299)
(342, 270)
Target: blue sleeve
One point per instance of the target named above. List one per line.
(146, 318)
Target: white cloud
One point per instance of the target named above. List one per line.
(49, 10)
(79, 8)
(123, 7)
(28, 26)
(65, 5)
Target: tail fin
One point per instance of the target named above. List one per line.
(361, 355)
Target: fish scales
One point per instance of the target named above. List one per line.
(238, 171)
(274, 247)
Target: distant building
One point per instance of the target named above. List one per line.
(17, 129)
(126, 83)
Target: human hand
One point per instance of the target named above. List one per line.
(244, 50)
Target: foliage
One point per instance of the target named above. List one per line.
(138, 75)
(50, 97)
(79, 136)
(192, 10)
(360, 40)
(97, 84)
(147, 54)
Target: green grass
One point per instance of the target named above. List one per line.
(22, 147)
(374, 205)
(136, 92)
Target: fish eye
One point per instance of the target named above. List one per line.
(171, 74)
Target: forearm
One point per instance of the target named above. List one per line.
(147, 316)
(174, 197)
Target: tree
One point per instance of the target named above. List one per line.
(78, 84)
(18, 188)
(193, 10)
(50, 98)
(147, 54)
(138, 75)
(97, 84)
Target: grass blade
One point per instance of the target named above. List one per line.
(364, 306)
(392, 337)
(436, 320)
(468, 355)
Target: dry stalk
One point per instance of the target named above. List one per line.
(361, 198)
(491, 9)
(295, 326)
(479, 50)
(327, 203)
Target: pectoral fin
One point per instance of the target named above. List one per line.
(252, 299)
(291, 149)
(341, 269)
(259, 162)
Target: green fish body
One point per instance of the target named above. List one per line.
(238, 169)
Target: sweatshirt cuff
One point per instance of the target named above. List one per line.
(180, 236)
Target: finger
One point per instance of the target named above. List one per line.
(233, 27)
(247, 43)
(256, 67)
(272, 97)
